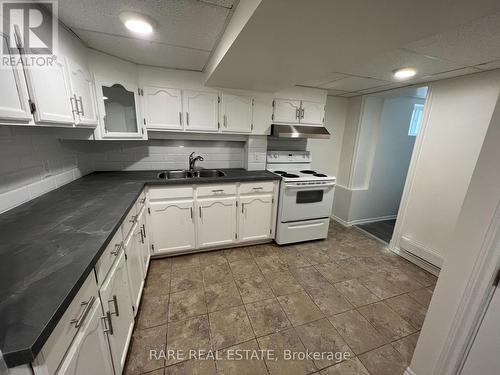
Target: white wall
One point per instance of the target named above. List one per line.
(326, 152)
(375, 156)
(458, 114)
(34, 161)
(449, 316)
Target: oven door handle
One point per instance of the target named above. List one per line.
(314, 187)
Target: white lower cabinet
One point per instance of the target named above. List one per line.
(172, 226)
(118, 314)
(135, 266)
(89, 352)
(255, 217)
(216, 221)
(144, 240)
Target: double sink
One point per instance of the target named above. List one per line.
(181, 174)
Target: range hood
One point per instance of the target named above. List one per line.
(299, 131)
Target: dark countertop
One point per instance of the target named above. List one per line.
(48, 247)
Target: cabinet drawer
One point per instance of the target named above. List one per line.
(108, 257)
(75, 315)
(216, 190)
(158, 193)
(257, 187)
(129, 221)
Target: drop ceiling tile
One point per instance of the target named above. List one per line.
(323, 79)
(336, 92)
(146, 52)
(222, 3)
(353, 83)
(445, 75)
(186, 23)
(471, 44)
(382, 67)
(489, 65)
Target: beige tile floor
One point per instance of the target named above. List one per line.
(343, 294)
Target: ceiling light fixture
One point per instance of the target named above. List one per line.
(404, 73)
(137, 23)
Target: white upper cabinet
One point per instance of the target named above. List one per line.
(163, 108)
(201, 110)
(301, 112)
(14, 102)
(255, 217)
(312, 113)
(216, 221)
(50, 91)
(83, 99)
(119, 110)
(286, 110)
(236, 113)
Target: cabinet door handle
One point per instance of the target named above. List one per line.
(114, 300)
(117, 249)
(302, 114)
(143, 200)
(258, 188)
(74, 105)
(142, 236)
(180, 118)
(133, 218)
(225, 121)
(80, 111)
(79, 321)
(187, 118)
(191, 212)
(108, 325)
(242, 207)
(199, 209)
(144, 230)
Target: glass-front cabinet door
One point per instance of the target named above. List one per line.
(119, 110)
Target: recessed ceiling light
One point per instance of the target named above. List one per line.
(404, 73)
(137, 23)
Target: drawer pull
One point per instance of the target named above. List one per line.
(142, 201)
(133, 218)
(117, 249)
(258, 188)
(144, 228)
(115, 303)
(218, 191)
(79, 321)
(108, 325)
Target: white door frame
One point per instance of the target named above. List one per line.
(394, 245)
(474, 302)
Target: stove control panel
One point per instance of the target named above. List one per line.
(288, 157)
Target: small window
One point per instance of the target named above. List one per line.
(416, 119)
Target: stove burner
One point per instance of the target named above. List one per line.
(307, 171)
(280, 172)
(319, 175)
(290, 175)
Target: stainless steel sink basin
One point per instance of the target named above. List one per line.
(209, 173)
(180, 174)
(175, 174)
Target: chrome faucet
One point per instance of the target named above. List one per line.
(193, 160)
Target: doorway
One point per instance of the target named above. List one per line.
(389, 125)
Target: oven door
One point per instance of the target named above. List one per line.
(304, 202)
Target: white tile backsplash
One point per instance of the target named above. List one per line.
(34, 161)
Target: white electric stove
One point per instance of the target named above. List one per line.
(306, 197)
